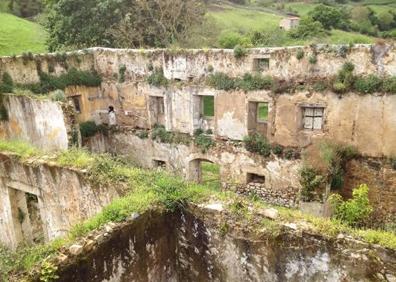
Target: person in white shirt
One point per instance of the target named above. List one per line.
(112, 116)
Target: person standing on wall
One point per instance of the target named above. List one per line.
(112, 116)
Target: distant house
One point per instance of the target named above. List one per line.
(289, 23)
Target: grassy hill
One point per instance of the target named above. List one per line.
(18, 35)
(231, 18)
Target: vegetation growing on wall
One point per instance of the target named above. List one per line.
(72, 77)
(248, 82)
(203, 141)
(356, 211)
(346, 81)
(6, 86)
(147, 189)
(311, 180)
(160, 134)
(324, 164)
(157, 78)
(121, 73)
(90, 128)
(343, 82)
(256, 143)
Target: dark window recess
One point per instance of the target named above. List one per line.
(261, 64)
(255, 178)
(313, 118)
(77, 104)
(159, 163)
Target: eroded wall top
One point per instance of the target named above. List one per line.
(281, 62)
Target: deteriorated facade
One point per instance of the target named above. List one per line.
(293, 119)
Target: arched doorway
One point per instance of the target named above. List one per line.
(205, 172)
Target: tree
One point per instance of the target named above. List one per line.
(82, 23)
(385, 20)
(360, 13)
(307, 28)
(330, 17)
(157, 23)
(24, 8)
(120, 23)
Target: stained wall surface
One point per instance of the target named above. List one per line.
(65, 197)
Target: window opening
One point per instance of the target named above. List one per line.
(313, 118)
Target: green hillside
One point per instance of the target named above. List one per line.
(18, 35)
(244, 19)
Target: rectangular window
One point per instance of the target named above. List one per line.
(262, 112)
(208, 106)
(313, 118)
(261, 64)
(255, 178)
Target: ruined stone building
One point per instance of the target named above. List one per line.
(292, 118)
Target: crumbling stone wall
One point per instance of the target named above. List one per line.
(286, 196)
(346, 119)
(41, 122)
(191, 245)
(281, 176)
(65, 198)
(380, 177)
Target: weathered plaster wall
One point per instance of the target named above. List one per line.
(348, 119)
(65, 197)
(366, 122)
(190, 246)
(235, 162)
(194, 64)
(40, 122)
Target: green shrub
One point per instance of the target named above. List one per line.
(160, 134)
(121, 73)
(198, 132)
(48, 272)
(313, 59)
(73, 77)
(89, 129)
(3, 112)
(368, 84)
(221, 81)
(6, 85)
(230, 40)
(307, 28)
(204, 142)
(248, 82)
(277, 149)
(300, 54)
(239, 52)
(289, 154)
(143, 134)
(344, 79)
(157, 78)
(339, 87)
(343, 51)
(356, 211)
(257, 143)
(310, 180)
(319, 86)
(389, 85)
(256, 81)
(58, 96)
